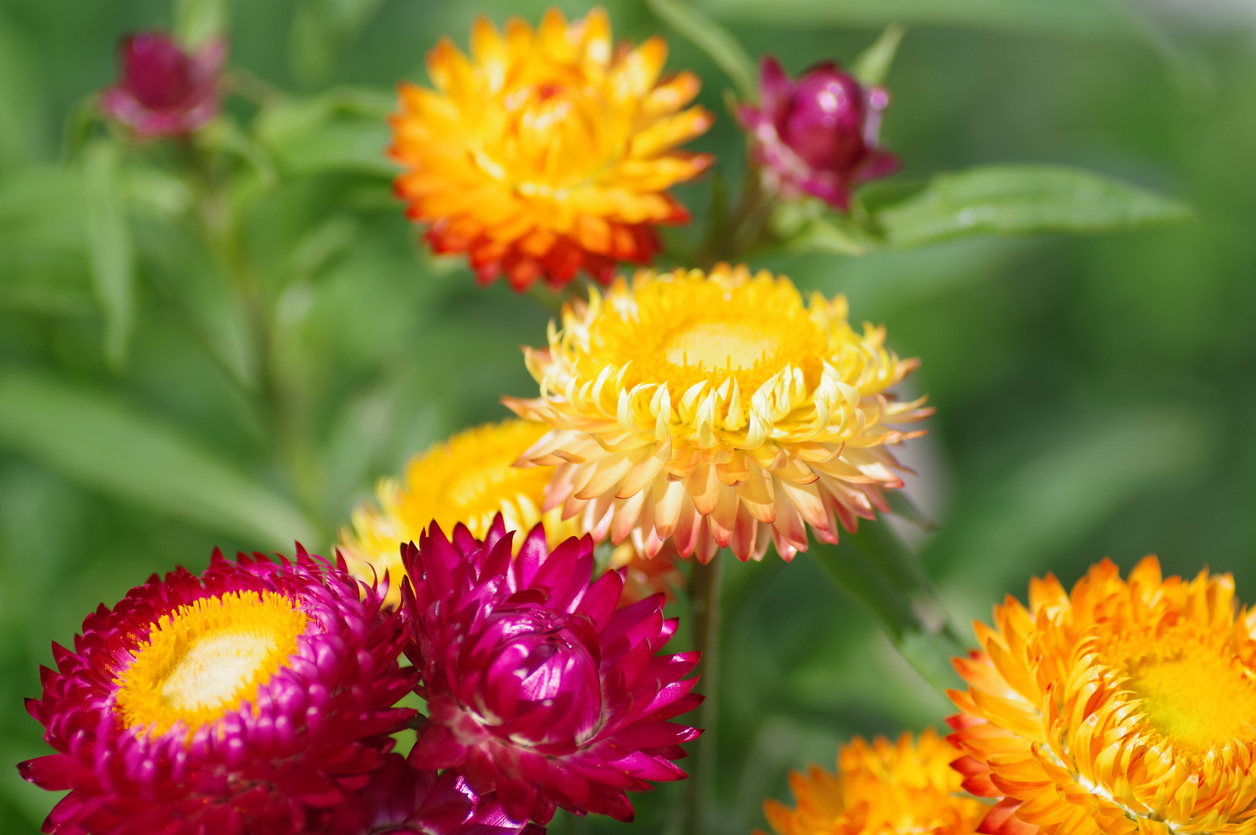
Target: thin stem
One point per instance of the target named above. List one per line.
(704, 610)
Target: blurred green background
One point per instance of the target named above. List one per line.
(1095, 395)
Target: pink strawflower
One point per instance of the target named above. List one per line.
(538, 688)
(255, 698)
(164, 91)
(403, 799)
(817, 134)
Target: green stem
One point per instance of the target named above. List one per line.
(875, 568)
(704, 611)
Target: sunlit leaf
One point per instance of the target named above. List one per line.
(1024, 200)
(141, 459)
(109, 247)
(716, 41)
(341, 130)
(197, 21)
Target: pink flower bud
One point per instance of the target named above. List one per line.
(817, 134)
(164, 91)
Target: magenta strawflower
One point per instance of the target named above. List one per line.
(537, 687)
(164, 91)
(255, 698)
(817, 134)
(403, 799)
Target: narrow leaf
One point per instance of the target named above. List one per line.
(197, 21)
(141, 459)
(716, 41)
(873, 64)
(1024, 200)
(109, 248)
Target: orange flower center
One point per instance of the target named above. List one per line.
(1194, 690)
(207, 658)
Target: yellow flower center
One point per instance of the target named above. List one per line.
(207, 658)
(1193, 691)
(686, 332)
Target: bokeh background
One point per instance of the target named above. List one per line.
(1095, 396)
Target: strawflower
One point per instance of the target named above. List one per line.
(538, 688)
(1126, 707)
(470, 479)
(718, 410)
(254, 698)
(817, 134)
(882, 788)
(164, 91)
(548, 151)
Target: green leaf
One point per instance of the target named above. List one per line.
(1065, 17)
(197, 21)
(321, 29)
(341, 130)
(873, 64)
(1024, 200)
(713, 39)
(109, 247)
(138, 458)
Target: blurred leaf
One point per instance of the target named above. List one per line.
(1071, 17)
(1024, 200)
(156, 190)
(808, 225)
(341, 130)
(873, 64)
(903, 508)
(1056, 498)
(197, 21)
(20, 105)
(138, 458)
(109, 247)
(321, 29)
(908, 610)
(716, 41)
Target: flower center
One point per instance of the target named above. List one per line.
(720, 345)
(207, 658)
(1194, 692)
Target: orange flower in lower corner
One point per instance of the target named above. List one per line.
(1126, 707)
(882, 788)
(547, 151)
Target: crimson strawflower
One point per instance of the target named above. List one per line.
(164, 91)
(817, 134)
(254, 698)
(537, 687)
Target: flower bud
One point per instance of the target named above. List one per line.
(817, 134)
(164, 91)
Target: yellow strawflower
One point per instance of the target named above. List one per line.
(1127, 707)
(547, 151)
(883, 788)
(718, 410)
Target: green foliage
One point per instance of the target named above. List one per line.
(729, 55)
(1023, 200)
(873, 64)
(109, 247)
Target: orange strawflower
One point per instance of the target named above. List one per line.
(720, 410)
(547, 151)
(884, 788)
(1127, 707)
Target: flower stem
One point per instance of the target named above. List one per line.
(704, 610)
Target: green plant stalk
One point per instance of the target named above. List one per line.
(877, 569)
(704, 611)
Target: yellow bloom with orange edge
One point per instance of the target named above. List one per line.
(716, 410)
(882, 788)
(467, 479)
(547, 151)
(1126, 707)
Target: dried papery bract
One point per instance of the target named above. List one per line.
(164, 90)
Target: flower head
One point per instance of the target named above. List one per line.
(547, 151)
(1126, 707)
(254, 698)
(164, 91)
(817, 134)
(538, 688)
(467, 479)
(718, 411)
(885, 788)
